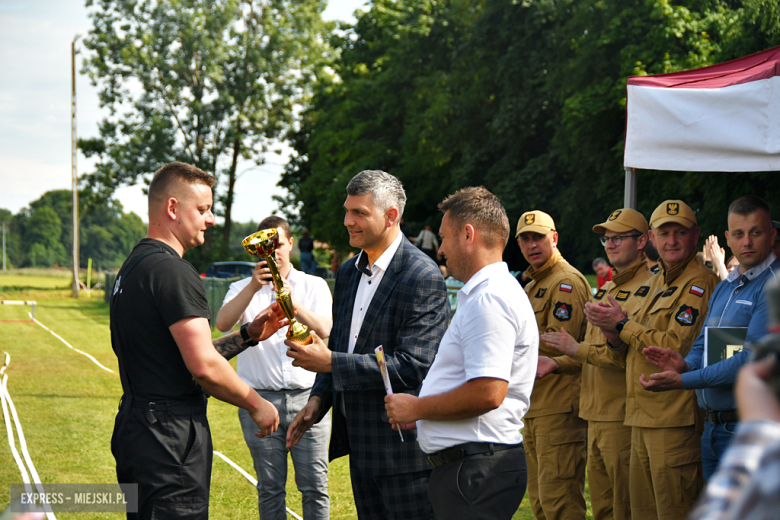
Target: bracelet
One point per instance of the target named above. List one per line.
(246, 337)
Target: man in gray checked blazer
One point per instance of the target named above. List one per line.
(393, 295)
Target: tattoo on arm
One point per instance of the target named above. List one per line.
(230, 346)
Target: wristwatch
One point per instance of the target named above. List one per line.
(246, 337)
(619, 325)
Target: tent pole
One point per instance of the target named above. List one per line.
(629, 200)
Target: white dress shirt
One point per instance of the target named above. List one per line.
(267, 366)
(494, 334)
(367, 287)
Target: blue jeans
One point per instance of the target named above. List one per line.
(714, 441)
(269, 454)
(308, 265)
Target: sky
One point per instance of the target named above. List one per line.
(35, 122)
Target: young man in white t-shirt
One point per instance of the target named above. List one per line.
(268, 370)
(470, 409)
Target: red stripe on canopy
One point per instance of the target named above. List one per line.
(762, 65)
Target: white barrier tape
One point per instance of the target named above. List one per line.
(16, 302)
(22, 442)
(9, 430)
(69, 345)
(250, 478)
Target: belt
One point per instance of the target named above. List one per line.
(189, 407)
(468, 449)
(722, 417)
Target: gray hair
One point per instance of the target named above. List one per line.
(598, 261)
(387, 190)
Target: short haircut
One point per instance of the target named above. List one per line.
(480, 208)
(160, 186)
(651, 252)
(598, 261)
(387, 190)
(749, 204)
(275, 222)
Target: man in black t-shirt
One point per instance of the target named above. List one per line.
(161, 335)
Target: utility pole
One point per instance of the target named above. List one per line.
(5, 224)
(74, 174)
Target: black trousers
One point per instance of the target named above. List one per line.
(483, 486)
(403, 496)
(169, 455)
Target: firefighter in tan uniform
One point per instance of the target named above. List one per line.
(554, 435)
(666, 473)
(603, 393)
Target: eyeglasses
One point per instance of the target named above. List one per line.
(617, 239)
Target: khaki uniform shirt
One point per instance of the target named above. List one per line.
(603, 394)
(671, 317)
(558, 293)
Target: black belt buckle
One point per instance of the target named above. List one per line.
(149, 413)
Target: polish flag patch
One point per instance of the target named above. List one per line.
(698, 291)
(566, 287)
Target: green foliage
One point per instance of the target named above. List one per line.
(41, 234)
(200, 81)
(43, 231)
(526, 98)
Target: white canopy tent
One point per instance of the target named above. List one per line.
(725, 117)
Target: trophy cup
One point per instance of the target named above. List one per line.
(263, 244)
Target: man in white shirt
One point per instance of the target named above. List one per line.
(269, 371)
(470, 409)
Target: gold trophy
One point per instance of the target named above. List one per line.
(263, 244)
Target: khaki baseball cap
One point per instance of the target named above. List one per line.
(535, 222)
(622, 221)
(673, 211)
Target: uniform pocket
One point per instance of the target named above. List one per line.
(567, 448)
(678, 457)
(188, 508)
(193, 442)
(686, 476)
(664, 305)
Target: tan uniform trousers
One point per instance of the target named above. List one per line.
(666, 473)
(609, 454)
(555, 450)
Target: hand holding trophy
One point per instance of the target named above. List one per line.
(263, 244)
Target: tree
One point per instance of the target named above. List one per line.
(43, 232)
(201, 81)
(526, 98)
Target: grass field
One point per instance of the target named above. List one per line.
(67, 404)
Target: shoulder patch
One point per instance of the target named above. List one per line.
(600, 294)
(622, 296)
(698, 291)
(686, 316)
(566, 287)
(562, 311)
(642, 291)
(669, 291)
(540, 292)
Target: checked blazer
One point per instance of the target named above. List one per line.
(408, 317)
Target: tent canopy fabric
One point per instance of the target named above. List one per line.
(725, 117)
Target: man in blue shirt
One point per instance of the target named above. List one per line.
(738, 301)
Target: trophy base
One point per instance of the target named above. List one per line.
(300, 336)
